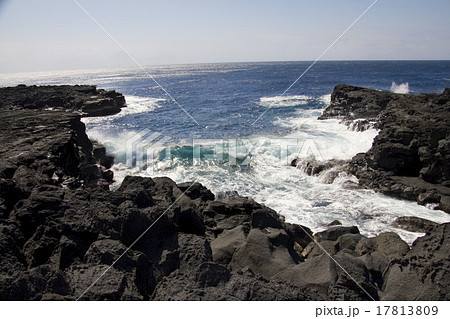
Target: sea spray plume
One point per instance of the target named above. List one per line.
(402, 88)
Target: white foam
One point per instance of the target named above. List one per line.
(326, 99)
(284, 101)
(112, 139)
(137, 104)
(333, 139)
(402, 88)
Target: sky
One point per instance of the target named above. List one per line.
(50, 35)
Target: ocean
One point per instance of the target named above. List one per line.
(230, 127)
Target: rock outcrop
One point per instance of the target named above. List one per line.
(86, 99)
(354, 103)
(410, 157)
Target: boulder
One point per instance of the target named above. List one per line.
(194, 250)
(334, 223)
(196, 190)
(340, 277)
(314, 249)
(423, 273)
(113, 285)
(377, 264)
(225, 245)
(349, 241)
(191, 221)
(388, 243)
(333, 233)
(414, 224)
(262, 218)
(444, 203)
(266, 252)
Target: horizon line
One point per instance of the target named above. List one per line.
(228, 62)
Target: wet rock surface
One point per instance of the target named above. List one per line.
(64, 235)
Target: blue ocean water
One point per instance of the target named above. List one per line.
(243, 119)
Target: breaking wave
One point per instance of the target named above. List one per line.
(284, 101)
(293, 100)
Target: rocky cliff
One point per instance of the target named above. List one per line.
(153, 239)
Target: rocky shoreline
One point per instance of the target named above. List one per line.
(410, 156)
(61, 227)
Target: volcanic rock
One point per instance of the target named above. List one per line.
(410, 157)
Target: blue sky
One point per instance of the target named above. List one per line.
(57, 35)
